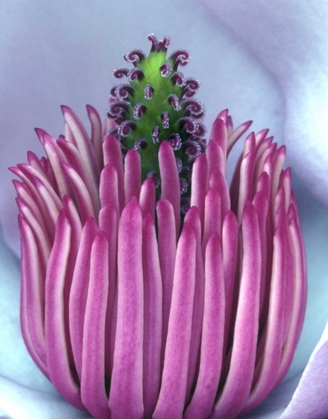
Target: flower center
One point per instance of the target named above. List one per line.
(157, 104)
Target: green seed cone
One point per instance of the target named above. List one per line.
(155, 105)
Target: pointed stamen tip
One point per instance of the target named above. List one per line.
(66, 110)
(131, 211)
(282, 150)
(40, 133)
(251, 137)
(263, 132)
(223, 114)
(288, 172)
(91, 110)
(12, 169)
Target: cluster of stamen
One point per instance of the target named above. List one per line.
(157, 104)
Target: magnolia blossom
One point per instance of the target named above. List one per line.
(159, 293)
(272, 66)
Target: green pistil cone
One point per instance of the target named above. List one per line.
(157, 104)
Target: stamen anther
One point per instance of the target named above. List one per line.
(190, 125)
(135, 74)
(134, 56)
(165, 70)
(123, 91)
(190, 88)
(192, 149)
(175, 141)
(165, 119)
(174, 101)
(139, 111)
(155, 134)
(183, 185)
(120, 73)
(180, 57)
(178, 79)
(195, 108)
(126, 128)
(148, 91)
(140, 144)
(179, 164)
(154, 176)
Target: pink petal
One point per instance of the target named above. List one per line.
(32, 300)
(170, 184)
(199, 186)
(126, 393)
(192, 218)
(239, 380)
(175, 372)
(82, 142)
(96, 133)
(132, 175)
(153, 317)
(57, 345)
(79, 289)
(212, 333)
(93, 392)
(113, 157)
(167, 240)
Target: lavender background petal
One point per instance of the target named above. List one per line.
(311, 396)
(289, 39)
(17, 401)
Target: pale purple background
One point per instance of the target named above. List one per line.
(266, 61)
